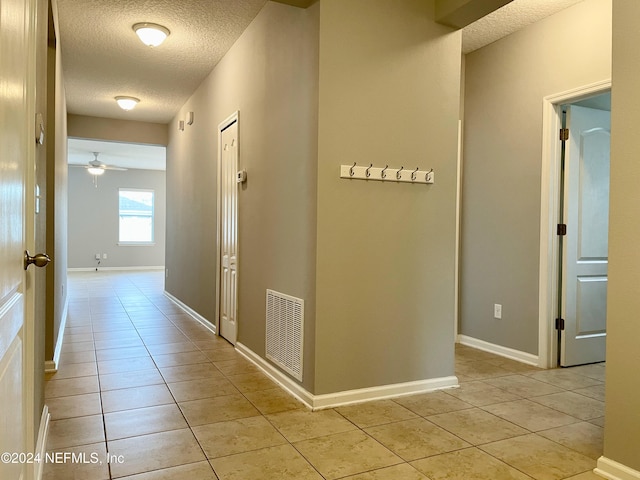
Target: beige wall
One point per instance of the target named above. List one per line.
(42, 20)
(389, 94)
(270, 75)
(504, 87)
(460, 13)
(622, 425)
(56, 201)
(96, 128)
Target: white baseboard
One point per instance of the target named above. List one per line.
(330, 400)
(41, 445)
(100, 269)
(277, 376)
(191, 312)
(613, 470)
(51, 366)
(506, 352)
(360, 395)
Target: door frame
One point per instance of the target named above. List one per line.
(549, 215)
(234, 117)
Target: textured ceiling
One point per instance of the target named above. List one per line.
(102, 57)
(508, 19)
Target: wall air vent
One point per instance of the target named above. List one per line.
(285, 332)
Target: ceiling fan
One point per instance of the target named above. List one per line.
(95, 167)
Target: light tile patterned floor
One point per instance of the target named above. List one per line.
(167, 399)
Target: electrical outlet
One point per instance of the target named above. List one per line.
(497, 310)
(97, 256)
(104, 256)
(166, 273)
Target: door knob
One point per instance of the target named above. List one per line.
(39, 259)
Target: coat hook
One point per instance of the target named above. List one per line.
(351, 172)
(383, 173)
(414, 174)
(426, 175)
(368, 173)
(399, 173)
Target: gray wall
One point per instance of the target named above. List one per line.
(504, 87)
(389, 94)
(93, 219)
(127, 131)
(40, 275)
(270, 75)
(56, 204)
(376, 265)
(622, 426)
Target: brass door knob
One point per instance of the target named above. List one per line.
(39, 259)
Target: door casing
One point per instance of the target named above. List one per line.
(549, 215)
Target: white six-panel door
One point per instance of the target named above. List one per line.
(229, 230)
(17, 160)
(585, 246)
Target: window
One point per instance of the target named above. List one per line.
(136, 216)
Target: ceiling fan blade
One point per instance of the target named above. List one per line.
(107, 167)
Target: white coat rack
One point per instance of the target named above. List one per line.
(386, 174)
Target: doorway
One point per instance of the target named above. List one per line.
(574, 227)
(228, 227)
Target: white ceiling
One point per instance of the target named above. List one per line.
(506, 20)
(102, 57)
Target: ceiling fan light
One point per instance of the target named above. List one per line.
(95, 170)
(127, 103)
(151, 34)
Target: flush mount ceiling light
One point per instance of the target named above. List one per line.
(151, 34)
(127, 103)
(95, 170)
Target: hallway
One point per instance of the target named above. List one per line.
(144, 381)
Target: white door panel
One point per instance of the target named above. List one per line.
(585, 246)
(228, 231)
(17, 158)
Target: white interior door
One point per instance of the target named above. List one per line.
(17, 160)
(229, 230)
(585, 246)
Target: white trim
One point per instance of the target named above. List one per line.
(192, 313)
(613, 470)
(93, 269)
(348, 397)
(51, 366)
(136, 244)
(276, 375)
(360, 395)
(506, 352)
(549, 206)
(456, 260)
(41, 445)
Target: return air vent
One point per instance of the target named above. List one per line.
(285, 328)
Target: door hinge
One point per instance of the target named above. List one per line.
(562, 229)
(564, 134)
(559, 323)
